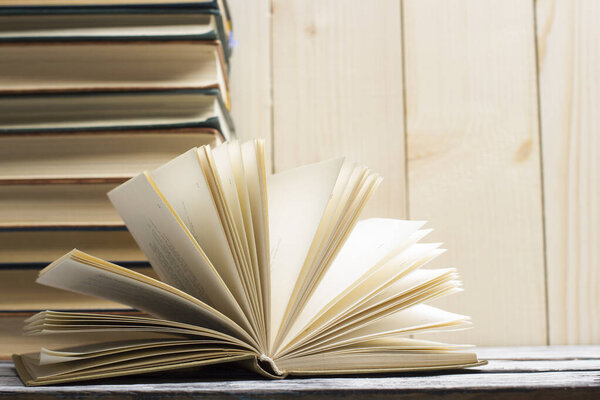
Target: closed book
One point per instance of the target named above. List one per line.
(20, 294)
(116, 111)
(111, 65)
(44, 244)
(219, 8)
(67, 156)
(56, 24)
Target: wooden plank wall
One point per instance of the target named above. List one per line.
(568, 35)
(332, 99)
(473, 158)
(481, 115)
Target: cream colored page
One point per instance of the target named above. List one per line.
(239, 173)
(297, 201)
(183, 184)
(224, 169)
(130, 326)
(420, 318)
(92, 350)
(407, 283)
(82, 278)
(170, 247)
(398, 265)
(399, 343)
(370, 241)
(254, 169)
(401, 294)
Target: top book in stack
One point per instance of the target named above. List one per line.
(108, 45)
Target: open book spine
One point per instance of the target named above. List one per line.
(264, 366)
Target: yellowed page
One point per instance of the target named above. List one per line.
(94, 350)
(348, 198)
(420, 318)
(237, 166)
(182, 183)
(401, 263)
(111, 282)
(171, 248)
(132, 328)
(297, 201)
(370, 242)
(239, 174)
(230, 172)
(400, 295)
(226, 173)
(408, 283)
(254, 168)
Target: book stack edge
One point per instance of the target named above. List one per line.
(91, 94)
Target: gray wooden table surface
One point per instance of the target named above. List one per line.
(556, 372)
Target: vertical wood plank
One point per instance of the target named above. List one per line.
(250, 76)
(568, 34)
(337, 76)
(473, 159)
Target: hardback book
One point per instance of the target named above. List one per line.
(70, 156)
(149, 22)
(275, 272)
(53, 180)
(20, 293)
(218, 8)
(21, 246)
(115, 111)
(118, 64)
(56, 204)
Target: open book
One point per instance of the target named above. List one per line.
(273, 272)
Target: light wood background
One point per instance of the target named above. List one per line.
(482, 115)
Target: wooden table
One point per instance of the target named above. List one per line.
(555, 372)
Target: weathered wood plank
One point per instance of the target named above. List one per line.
(251, 103)
(337, 89)
(569, 66)
(465, 385)
(473, 159)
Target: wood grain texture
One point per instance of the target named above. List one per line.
(473, 159)
(251, 103)
(549, 373)
(337, 89)
(569, 65)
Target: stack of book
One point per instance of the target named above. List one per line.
(92, 93)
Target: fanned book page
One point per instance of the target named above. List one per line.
(275, 272)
